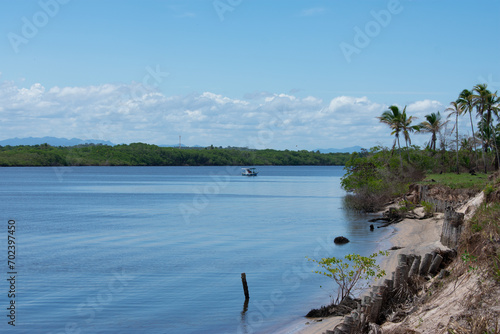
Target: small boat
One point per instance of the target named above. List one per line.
(249, 172)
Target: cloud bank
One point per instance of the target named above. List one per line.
(125, 113)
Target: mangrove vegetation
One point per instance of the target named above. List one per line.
(139, 154)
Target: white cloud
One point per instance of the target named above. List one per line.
(419, 109)
(425, 106)
(132, 113)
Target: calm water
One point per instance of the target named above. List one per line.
(161, 249)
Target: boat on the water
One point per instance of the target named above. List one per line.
(249, 171)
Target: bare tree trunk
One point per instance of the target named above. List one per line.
(473, 139)
(400, 156)
(483, 152)
(408, 151)
(496, 147)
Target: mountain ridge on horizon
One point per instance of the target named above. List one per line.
(340, 150)
(56, 141)
(53, 141)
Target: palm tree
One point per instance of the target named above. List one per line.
(455, 111)
(466, 102)
(407, 128)
(485, 132)
(393, 118)
(480, 101)
(492, 108)
(480, 98)
(433, 124)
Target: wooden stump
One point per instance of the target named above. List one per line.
(414, 267)
(426, 264)
(245, 285)
(436, 262)
(452, 227)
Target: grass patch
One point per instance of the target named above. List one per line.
(458, 181)
(487, 218)
(486, 225)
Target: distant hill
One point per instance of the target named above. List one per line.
(340, 150)
(177, 145)
(53, 141)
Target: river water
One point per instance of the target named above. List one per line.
(161, 249)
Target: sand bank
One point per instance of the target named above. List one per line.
(415, 236)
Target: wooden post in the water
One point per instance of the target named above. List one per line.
(245, 286)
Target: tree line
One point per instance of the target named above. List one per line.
(374, 177)
(140, 154)
(478, 102)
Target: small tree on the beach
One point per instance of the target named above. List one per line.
(348, 272)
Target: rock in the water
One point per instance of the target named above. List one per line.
(340, 240)
(371, 227)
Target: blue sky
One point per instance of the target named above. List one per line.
(283, 74)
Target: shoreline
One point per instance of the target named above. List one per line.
(415, 236)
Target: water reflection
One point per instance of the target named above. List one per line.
(244, 316)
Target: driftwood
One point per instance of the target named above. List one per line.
(394, 216)
(374, 220)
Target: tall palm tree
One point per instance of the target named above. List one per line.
(393, 118)
(492, 108)
(480, 101)
(466, 101)
(485, 132)
(407, 128)
(455, 110)
(433, 124)
(480, 97)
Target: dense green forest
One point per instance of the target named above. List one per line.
(139, 154)
(375, 177)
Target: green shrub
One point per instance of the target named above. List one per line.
(488, 189)
(348, 272)
(429, 208)
(406, 206)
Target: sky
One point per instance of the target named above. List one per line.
(280, 74)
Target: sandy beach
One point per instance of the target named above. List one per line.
(415, 236)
